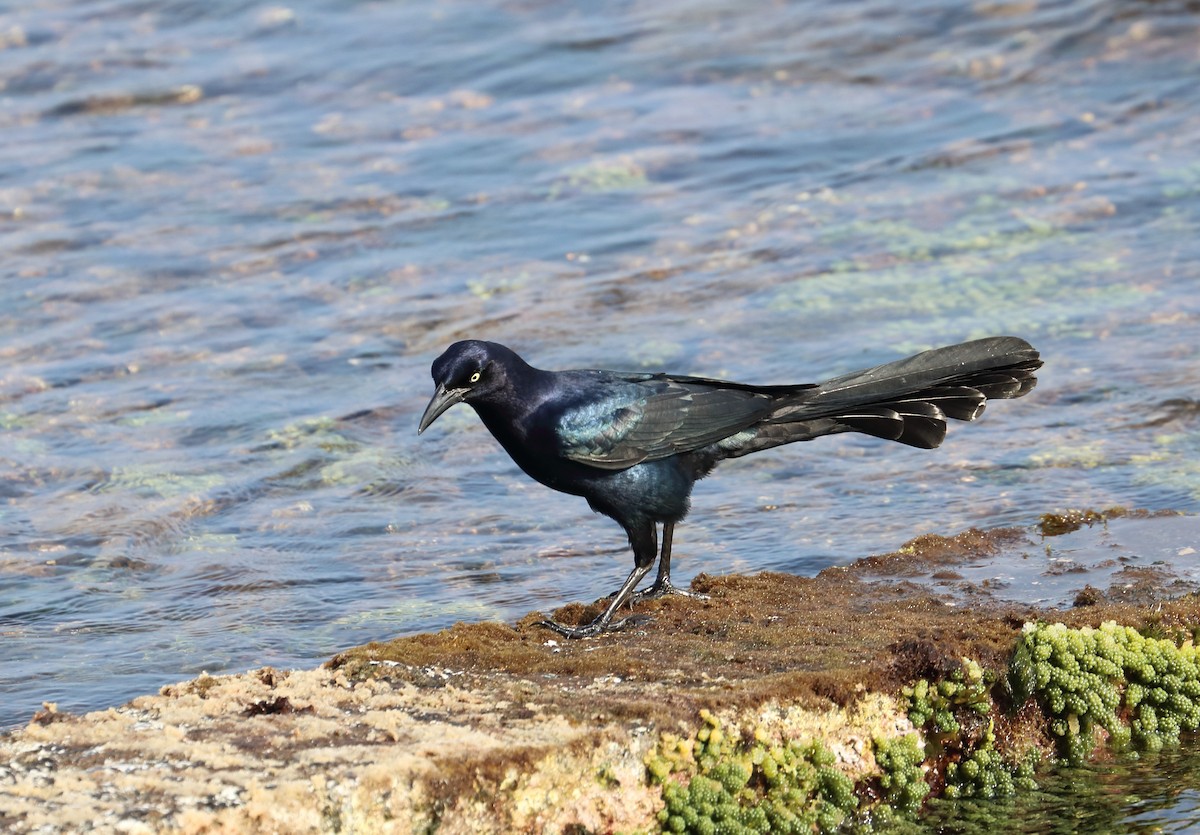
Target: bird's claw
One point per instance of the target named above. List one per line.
(659, 590)
(596, 627)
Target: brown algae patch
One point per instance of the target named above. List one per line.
(780, 701)
(769, 636)
(1068, 521)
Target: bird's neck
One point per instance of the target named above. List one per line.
(504, 414)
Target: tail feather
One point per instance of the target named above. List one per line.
(997, 360)
(908, 401)
(958, 402)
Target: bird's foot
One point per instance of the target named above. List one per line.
(662, 589)
(596, 627)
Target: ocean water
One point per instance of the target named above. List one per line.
(234, 237)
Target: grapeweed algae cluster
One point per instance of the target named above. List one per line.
(986, 772)
(936, 704)
(978, 735)
(901, 778)
(1143, 692)
(955, 717)
(713, 783)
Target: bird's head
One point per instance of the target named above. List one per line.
(468, 372)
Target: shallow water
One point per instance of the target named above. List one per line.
(1156, 793)
(1130, 559)
(235, 237)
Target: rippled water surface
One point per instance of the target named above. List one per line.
(234, 237)
(1156, 794)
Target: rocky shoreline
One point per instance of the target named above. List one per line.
(495, 728)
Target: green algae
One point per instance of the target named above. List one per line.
(153, 417)
(485, 288)
(902, 777)
(11, 421)
(933, 705)
(1183, 183)
(1089, 687)
(319, 432)
(716, 782)
(211, 543)
(1143, 692)
(1087, 455)
(1173, 463)
(322, 454)
(656, 353)
(986, 772)
(790, 787)
(411, 614)
(156, 482)
(1008, 262)
(602, 175)
(955, 716)
(360, 468)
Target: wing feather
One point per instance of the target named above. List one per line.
(647, 417)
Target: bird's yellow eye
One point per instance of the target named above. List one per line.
(475, 377)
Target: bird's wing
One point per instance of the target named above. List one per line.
(643, 417)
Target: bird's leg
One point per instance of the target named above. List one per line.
(644, 540)
(662, 582)
(605, 622)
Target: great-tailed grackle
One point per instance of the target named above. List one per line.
(634, 444)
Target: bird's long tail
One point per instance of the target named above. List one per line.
(908, 400)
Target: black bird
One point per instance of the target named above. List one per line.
(634, 444)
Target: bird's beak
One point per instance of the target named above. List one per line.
(442, 400)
